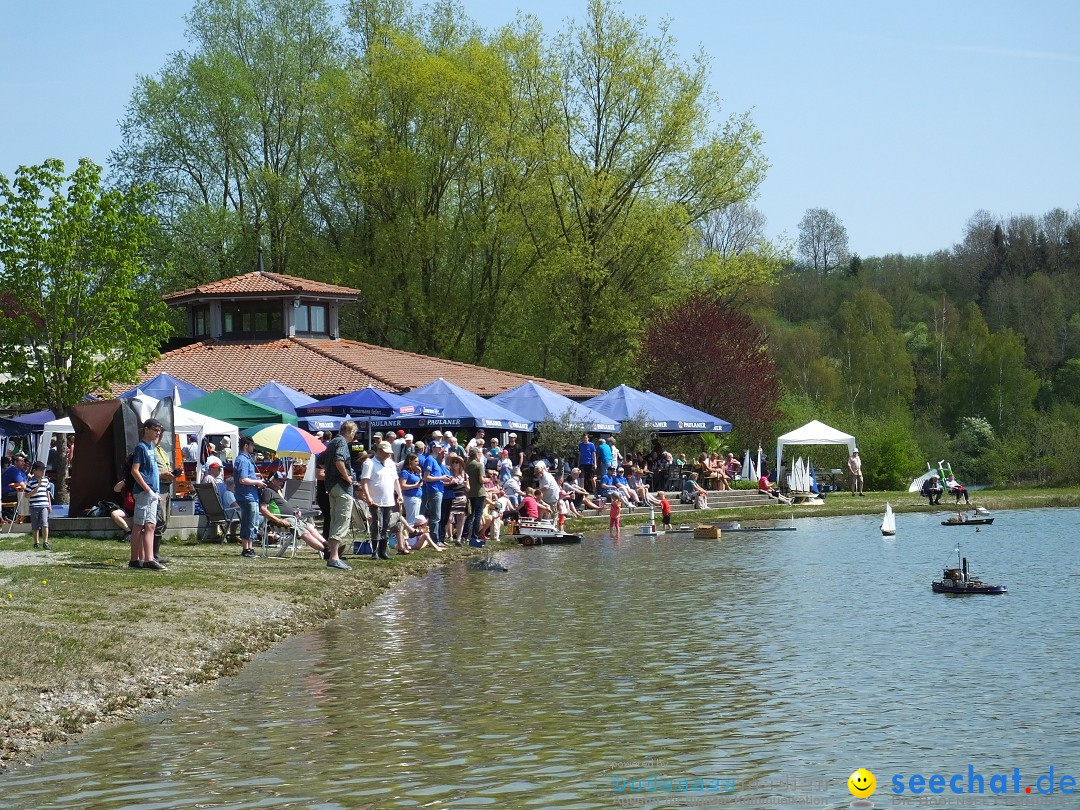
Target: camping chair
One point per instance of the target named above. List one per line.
(217, 516)
(301, 494)
(286, 539)
(359, 530)
(16, 507)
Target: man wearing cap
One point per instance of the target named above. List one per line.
(191, 449)
(854, 466)
(932, 489)
(399, 448)
(211, 457)
(514, 451)
(144, 472)
(277, 511)
(339, 487)
(14, 481)
(248, 484)
(381, 490)
(407, 447)
(215, 475)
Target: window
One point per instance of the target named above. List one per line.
(200, 321)
(311, 319)
(255, 320)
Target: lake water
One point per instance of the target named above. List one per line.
(767, 667)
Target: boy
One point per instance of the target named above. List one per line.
(665, 510)
(39, 491)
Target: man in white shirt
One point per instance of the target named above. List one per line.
(549, 487)
(191, 449)
(381, 489)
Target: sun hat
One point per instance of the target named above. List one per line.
(437, 433)
(386, 447)
(513, 435)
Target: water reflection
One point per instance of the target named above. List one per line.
(754, 658)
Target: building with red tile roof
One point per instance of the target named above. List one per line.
(257, 327)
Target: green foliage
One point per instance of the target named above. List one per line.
(83, 311)
(635, 434)
(558, 437)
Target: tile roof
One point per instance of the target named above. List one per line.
(402, 371)
(324, 368)
(260, 283)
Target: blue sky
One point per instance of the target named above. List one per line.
(903, 119)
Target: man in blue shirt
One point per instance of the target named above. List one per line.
(586, 452)
(604, 458)
(248, 482)
(14, 480)
(436, 474)
(146, 485)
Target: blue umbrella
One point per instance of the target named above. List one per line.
(280, 396)
(459, 408)
(538, 403)
(369, 402)
(165, 385)
(662, 414)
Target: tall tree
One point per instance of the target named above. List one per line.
(823, 241)
(229, 132)
(633, 164)
(84, 310)
(713, 357)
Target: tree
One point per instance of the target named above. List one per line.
(823, 241)
(633, 163)
(86, 313)
(229, 133)
(558, 436)
(713, 357)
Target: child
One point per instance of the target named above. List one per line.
(614, 516)
(39, 491)
(665, 510)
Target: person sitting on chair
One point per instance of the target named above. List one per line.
(956, 489)
(773, 492)
(279, 512)
(931, 489)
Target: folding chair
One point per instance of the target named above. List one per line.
(217, 516)
(16, 508)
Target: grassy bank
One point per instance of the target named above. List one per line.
(89, 640)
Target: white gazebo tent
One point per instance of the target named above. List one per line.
(184, 421)
(812, 433)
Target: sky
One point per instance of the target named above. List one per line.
(902, 119)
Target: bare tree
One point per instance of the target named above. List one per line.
(823, 241)
(733, 230)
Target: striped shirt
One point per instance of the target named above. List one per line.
(40, 492)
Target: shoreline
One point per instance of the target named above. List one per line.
(91, 642)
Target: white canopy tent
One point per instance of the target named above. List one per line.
(812, 433)
(184, 421)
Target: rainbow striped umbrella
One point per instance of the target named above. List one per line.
(286, 440)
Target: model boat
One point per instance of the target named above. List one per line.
(534, 532)
(960, 581)
(982, 517)
(888, 523)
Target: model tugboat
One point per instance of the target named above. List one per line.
(960, 581)
(533, 532)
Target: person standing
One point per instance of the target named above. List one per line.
(854, 466)
(474, 472)
(381, 490)
(586, 452)
(247, 484)
(39, 491)
(339, 488)
(514, 451)
(144, 476)
(604, 460)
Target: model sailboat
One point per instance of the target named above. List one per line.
(888, 523)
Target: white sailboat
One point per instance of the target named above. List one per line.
(888, 523)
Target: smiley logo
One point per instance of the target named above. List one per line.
(862, 783)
